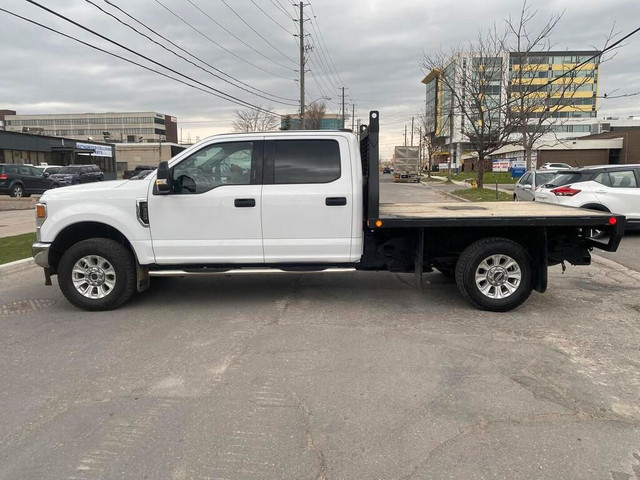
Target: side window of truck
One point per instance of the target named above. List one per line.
(306, 161)
(214, 166)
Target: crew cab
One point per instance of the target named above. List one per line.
(300, 201)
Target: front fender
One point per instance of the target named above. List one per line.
(120, 215)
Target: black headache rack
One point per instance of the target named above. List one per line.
(369, 155)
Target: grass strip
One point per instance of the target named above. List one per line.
(16, 247)
(482, 195)
(489, 177)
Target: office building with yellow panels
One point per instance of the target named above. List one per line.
(558, 84)
(560, 87)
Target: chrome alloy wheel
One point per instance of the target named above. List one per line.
(93, 276)
(498, 276)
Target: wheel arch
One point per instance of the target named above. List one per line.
(78, 232)
(596, 206)
(17, 182)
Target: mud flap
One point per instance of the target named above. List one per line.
(142, 278)
(419, 260)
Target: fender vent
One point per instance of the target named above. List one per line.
(142, 211)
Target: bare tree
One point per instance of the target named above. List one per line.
(314, 115)
(473, 93)
(536, 108)
(251, 120)
(426, 126)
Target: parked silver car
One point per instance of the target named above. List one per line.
(525, 187)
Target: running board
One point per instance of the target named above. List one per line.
(243, 271)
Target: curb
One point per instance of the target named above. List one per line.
(17, 266)
(426, 184)
(618, 267)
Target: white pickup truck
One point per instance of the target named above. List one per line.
(296, 201)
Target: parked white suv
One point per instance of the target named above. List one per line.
(608, 188)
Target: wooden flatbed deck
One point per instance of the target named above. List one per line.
(489, 214)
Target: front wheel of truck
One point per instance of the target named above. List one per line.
(97, 274)
(495, 274)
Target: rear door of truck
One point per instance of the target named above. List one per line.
(307, 199)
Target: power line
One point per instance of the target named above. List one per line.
(323, 58)
(271, 18)
(315, 80)
(281, 8)
(216, 43)
(189, 61)
(323, 67)
(256, 32)
(59, 15)
(325, 44)
(190, 54)
(236, 37)
(239, 102)
(328, 88)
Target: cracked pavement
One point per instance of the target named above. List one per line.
(317, 376)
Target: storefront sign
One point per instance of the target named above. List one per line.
(98, 150)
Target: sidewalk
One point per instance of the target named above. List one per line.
(17, 222)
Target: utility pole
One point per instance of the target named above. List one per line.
(450, 142)
(412, 131)
(302, 62)
(343, 112)
(420, 147)
(405, 135)
(353, 116)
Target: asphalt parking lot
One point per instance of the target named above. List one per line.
(319, 376)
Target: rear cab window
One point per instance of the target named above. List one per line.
(306, 161)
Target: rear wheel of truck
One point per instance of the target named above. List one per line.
(495, 274)
(97, 274)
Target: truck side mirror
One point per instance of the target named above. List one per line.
(163, 180)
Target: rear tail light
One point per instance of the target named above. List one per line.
(565, 191)
(613, 220)
(3, 176)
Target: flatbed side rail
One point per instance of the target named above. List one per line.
(369, 155)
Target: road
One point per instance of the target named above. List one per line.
(319, 376)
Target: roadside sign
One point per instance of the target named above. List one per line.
(517, 172)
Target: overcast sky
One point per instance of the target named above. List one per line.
(374, 46)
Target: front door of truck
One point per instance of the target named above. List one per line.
(213, 213)
(307, 200)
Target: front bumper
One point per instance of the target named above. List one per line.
(40, 252)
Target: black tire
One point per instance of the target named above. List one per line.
(114, 266)
(16, 191)
(488, 250)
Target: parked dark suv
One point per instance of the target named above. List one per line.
(75, 174)
(23, 180)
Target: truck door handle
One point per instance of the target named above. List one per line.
(244, 202)
(335, 201)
